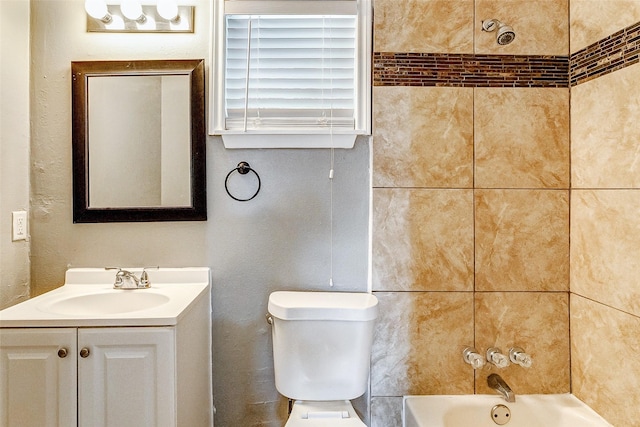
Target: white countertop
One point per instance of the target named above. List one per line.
(177, 289)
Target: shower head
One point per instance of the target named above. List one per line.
(505, 34)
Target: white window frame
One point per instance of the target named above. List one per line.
(328, 137)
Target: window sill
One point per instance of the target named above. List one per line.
(285, 140)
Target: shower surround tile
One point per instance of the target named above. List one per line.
(604, 365)
(386, 412)
(541, 27)
(423, 137)
(422, 239)
(593, 20)
(604, 131)
(538, 322)
(605, 247)
(521, 138)
(522, 240)
(427, 26)
(427, 332)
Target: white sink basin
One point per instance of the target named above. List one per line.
(101, 303)
(89, 299)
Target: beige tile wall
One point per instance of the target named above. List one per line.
(592, 20)
(540, 26)
(604, 360)
(470, 210)
(605, 253)
(508, 148)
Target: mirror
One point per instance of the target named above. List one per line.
(138, 141)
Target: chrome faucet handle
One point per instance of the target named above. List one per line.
(144, 277)
(473, 358)
(495, 357)
(519, 357)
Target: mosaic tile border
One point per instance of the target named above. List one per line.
(605, 56)
(469, 70)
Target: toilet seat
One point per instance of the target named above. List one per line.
(338, 413)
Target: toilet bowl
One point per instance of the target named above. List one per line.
(321, 352)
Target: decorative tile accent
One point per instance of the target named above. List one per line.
(467, 70)
(612, 53)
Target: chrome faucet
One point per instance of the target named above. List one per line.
(125, 279)
(496, 382)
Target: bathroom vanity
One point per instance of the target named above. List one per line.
(89, 355)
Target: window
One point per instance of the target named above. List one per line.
(291, 73)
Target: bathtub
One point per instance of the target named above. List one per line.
(481, 410)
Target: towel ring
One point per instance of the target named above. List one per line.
(243, 168)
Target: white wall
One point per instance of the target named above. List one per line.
(14, 146)
(279, 240)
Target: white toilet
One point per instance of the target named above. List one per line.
(321, 353)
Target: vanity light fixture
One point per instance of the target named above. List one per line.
(139, 16)
(132, 9)
(168, 9)
(98, 9)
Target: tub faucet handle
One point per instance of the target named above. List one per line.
(497, 358)
(473, 358)
(519, 357)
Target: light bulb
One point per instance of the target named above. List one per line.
(168, 9)
(97, 9)
(132, 9)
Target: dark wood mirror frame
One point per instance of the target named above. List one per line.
(82, 212)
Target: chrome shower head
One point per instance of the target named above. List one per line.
(505, 34)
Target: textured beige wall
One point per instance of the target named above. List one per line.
(14, 147)
(470, 209)
(58, 243)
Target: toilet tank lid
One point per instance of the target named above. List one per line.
(297, 305)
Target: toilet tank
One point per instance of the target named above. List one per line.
(322, 343)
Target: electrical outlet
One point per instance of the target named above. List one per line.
(19, 221)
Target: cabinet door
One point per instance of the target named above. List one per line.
(127, 379)
(38, 377)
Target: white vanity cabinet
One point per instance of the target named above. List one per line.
(145, 371)
(38, 377)
(112, 377)
(126, 377)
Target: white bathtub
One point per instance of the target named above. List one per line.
(529, 410)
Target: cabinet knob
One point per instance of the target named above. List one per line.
(62, 353)
(84, 352)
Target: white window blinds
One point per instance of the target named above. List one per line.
(290, 71)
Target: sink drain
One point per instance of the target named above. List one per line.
(500, 414)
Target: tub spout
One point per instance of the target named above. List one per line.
(496, 382)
